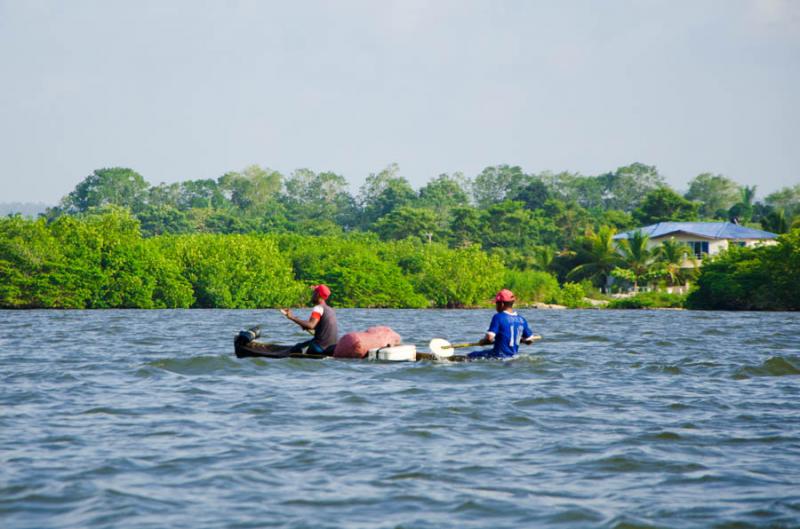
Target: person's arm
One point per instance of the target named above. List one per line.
(309, 324)
(527, 333)
(494, 326)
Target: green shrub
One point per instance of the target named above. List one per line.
(762, 278)
(649, 300)
(34, 270)
(233, 271)
(464, 277)
(355, 270)
(532, 286)
(572, 295)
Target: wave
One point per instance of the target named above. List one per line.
(776, 366)
(197, 365)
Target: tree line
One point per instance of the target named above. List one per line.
(254, 237)
(101, 260)
(501, 207)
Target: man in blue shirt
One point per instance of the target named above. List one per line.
(506, 330)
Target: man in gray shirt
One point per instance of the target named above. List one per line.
(322, 321)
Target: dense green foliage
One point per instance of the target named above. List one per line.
(572, 295)
(649, 300)
(100, 260)
(257, 237)
(664, 204)
(533, 285)
(762, 278)
(596, 257)
(506, 211)
(715, 194)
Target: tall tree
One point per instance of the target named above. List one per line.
(534, 194)
(664, 204)
(382, 192)
(563, 222)
(204, 193)
(407, 221)
(627, 186)
(498, 183)
(251, 188)
(787, 199)
(587, 191)
(466, 226)
(161, 219)
(509, 225)
(164, 195)
(775, 222)
(716, 193)
(319, 197)
(116, 185)
(305, 188)
(444, 191)
(742, 211)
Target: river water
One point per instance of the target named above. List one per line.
(623, 419)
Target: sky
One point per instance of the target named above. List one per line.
(181, 90)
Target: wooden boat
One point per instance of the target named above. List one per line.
(257, 349)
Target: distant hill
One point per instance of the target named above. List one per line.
(26, 209)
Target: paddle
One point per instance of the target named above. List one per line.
(444, 349)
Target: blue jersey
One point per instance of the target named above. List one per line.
(508, 330)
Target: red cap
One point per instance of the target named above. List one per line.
(322, 291)
(505, 295)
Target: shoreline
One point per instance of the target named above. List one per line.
(132, 309)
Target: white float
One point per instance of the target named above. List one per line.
(398, 353)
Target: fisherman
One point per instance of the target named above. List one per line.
(322, 321)
(506, 330)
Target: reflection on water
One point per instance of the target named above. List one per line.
(616, 419)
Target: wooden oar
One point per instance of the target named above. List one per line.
(444, 349)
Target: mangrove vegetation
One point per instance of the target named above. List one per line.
(257, 238)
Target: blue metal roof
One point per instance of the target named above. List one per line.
(709, 230)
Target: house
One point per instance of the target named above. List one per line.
(704, 238)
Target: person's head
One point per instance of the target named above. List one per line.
(504, 300)
(320, 292)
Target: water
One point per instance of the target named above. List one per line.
(139, 419)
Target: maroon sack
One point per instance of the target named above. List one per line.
(358, 344)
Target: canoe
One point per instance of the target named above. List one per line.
(258, 349)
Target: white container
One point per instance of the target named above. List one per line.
(398, 353)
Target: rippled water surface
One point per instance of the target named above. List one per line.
(138, 419)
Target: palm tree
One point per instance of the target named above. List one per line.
(748, 194)
(775, 222)
(742, 211)
(597, 256)
(637, 256)
(672, 254)
(543, 258)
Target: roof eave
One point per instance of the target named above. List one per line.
(693, 234)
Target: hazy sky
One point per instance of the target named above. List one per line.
(182, 90)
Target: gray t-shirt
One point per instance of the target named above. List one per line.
(326, 333)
